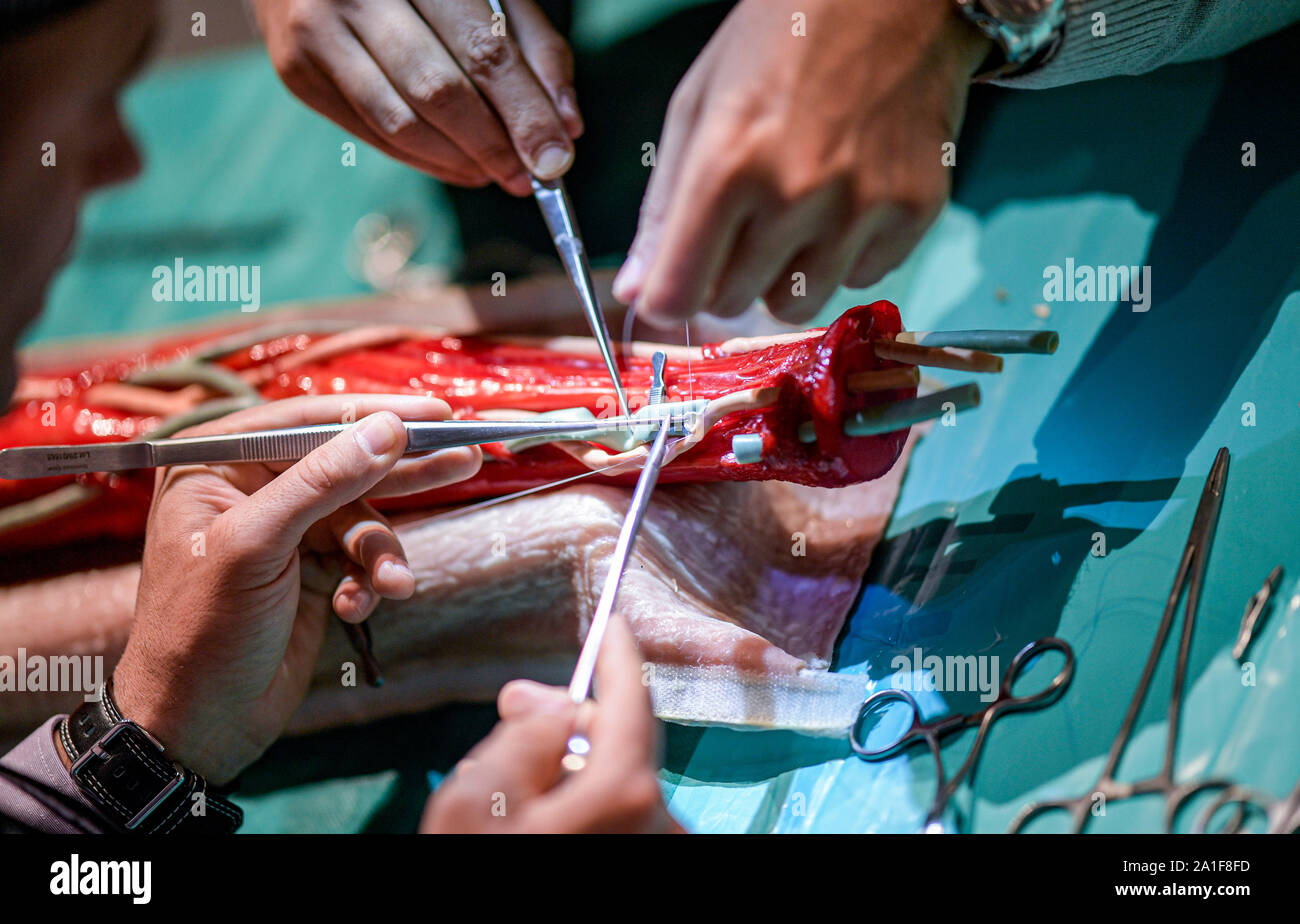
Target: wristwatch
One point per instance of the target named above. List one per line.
(123, 771)
(1026, 33)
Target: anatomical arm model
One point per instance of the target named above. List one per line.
(745, 570)
(762, 389)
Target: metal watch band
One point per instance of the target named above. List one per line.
(1027, 33)
(123, 770)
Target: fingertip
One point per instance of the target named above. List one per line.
(665, 296)
(461, 463)
(352, 602)
(864, 277)
(732, 308)
(800, 314)
(381, 434)
(427, 408)
(553, 160)
(662, 308)
(526, 697)
(519, 185)
(394, 579)
(790, 309)
(656, 319)
(475, 182)
(566, 104)
(627, 284)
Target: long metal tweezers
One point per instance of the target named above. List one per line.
(287, 445)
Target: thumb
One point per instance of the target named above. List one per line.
(275, 518)
(520, 698)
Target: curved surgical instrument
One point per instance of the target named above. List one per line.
(932, 731)
(1190, 576)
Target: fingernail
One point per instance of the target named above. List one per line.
(376, 435)
(392, 571)
(361, 600)
(551, 161)
(628, 279)
(567, 103)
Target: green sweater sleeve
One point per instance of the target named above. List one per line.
(1108, 37)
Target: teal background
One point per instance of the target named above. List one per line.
(990, 545)
(1114, 434)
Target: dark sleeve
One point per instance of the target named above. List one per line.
(37, 792)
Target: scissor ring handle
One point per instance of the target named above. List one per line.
(890, 694)
(1244, 799)
(1050, 693)
(1175, 806)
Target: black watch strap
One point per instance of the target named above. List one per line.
(123, 771)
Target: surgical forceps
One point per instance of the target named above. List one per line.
(932, 731)
(1190, 576)
(1255, 608)
(553, 199)
(285, 445)
(1281, 816)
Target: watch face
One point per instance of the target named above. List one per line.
(1021, 12)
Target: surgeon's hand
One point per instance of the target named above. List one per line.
(438, 84)
(244, 565)
(513, 781)
(817, 154)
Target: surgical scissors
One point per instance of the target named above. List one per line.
(1190, 577)
(931, 732)
(557, 210)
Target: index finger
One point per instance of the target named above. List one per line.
(624, 727)
(490, 57)
(703, 211)
(610, 793)
(519, 759)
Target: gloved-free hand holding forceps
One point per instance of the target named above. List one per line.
(933, 731)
